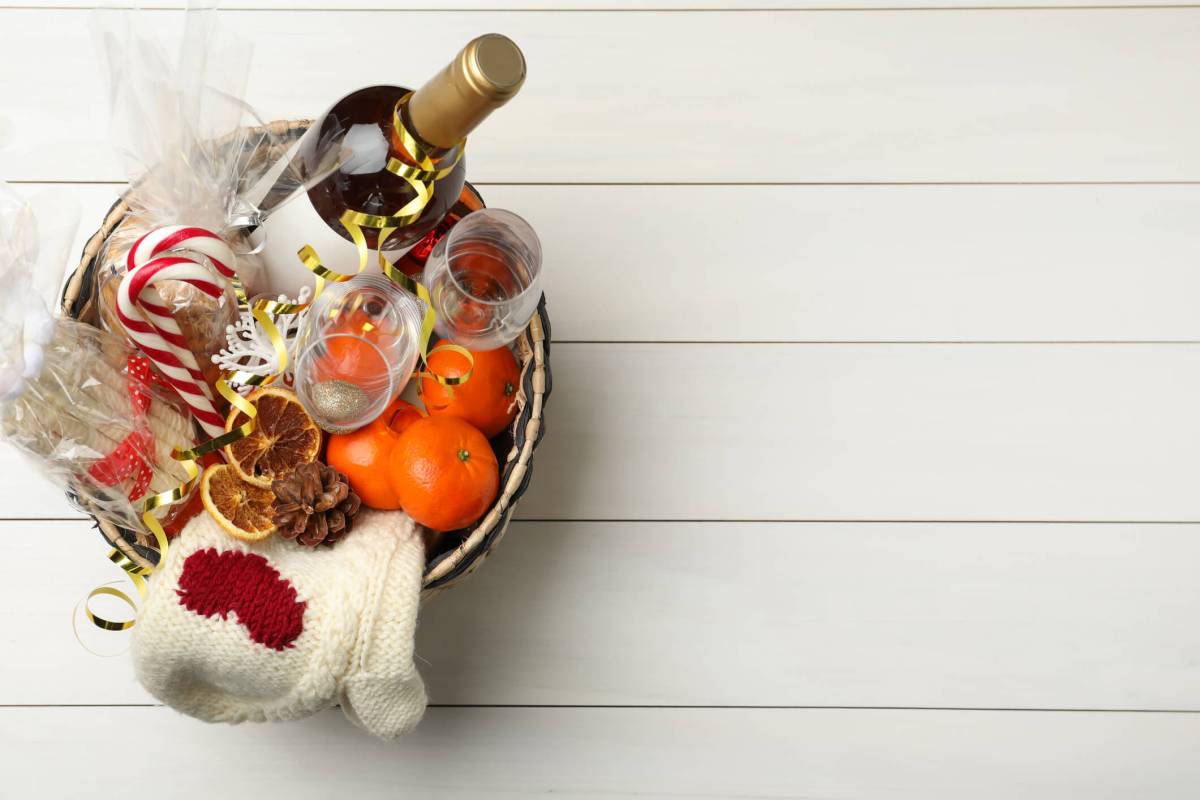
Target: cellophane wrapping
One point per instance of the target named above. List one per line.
(189, 145)
(66, 391)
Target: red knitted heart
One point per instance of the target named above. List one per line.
(214, 583)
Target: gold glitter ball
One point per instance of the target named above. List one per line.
(339, 401)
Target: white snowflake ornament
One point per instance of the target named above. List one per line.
(249, 349)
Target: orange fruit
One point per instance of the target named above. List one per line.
(488, 400)
(444, 472)
(284, 437)
(352, 356)
(244, 510)
(399, 415)
(364, 455)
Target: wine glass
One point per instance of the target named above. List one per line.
(484, 279)
(356, 351)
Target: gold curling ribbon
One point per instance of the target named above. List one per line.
(133, 571)
(135, 574)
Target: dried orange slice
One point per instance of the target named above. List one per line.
(284, 437)
(242, 509)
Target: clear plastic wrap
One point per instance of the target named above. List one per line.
(74, 398)
(190, 145)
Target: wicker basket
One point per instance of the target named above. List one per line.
(455, 554)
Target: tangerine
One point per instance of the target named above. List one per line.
(363, 456)
(488, 399)
(355, 357)
(444, 472)
(400, 414)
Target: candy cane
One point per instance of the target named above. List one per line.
(183, 239)
(149, 322)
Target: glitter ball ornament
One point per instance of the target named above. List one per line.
(338, 403)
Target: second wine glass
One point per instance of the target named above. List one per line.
(484, 278)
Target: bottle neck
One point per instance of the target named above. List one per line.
(423, 146)
(482, 77)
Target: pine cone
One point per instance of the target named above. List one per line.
(314, 505)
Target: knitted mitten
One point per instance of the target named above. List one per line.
(233, 631)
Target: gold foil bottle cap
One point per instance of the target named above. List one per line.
(485, 75)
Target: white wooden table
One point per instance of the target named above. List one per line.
(873, 456)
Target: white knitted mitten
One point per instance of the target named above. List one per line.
(233, 631)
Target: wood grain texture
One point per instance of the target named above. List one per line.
(851, 432)
(852, 263)
(729, 614)
(944, 432)
(944, 96)
(645, 641)
(605, 753)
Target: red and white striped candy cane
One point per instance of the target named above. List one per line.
(149, 322)
(183, 239)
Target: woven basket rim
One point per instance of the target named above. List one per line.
(527, 429)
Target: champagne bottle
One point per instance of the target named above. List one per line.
(350, 156)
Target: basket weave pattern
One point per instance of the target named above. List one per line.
(463, 551)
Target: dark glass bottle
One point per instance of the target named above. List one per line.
(483, 76)
(363, 120)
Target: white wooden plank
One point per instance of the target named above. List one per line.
(1008, 432)
(919, 615)
(854, 263)
(852, 432)
(1009, 95)
(48, 568)
(604, 753)
(730, 614)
